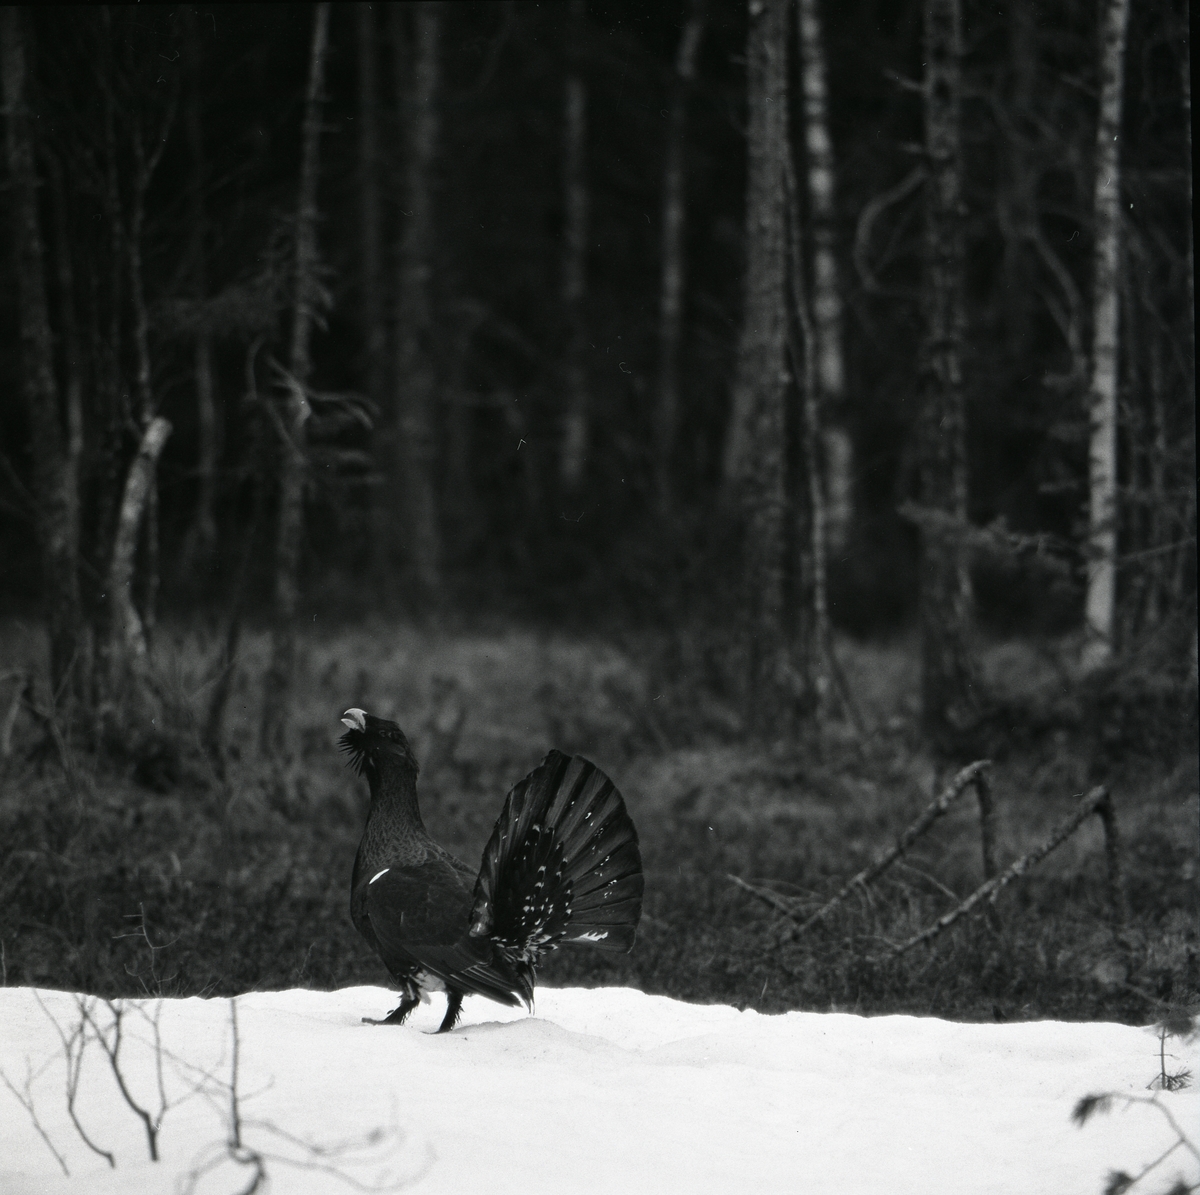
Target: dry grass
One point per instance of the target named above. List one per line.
(146, 873)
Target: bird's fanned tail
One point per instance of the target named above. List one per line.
(562, 865)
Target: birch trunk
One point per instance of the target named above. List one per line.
(946, 675)
(1100, 606)
(277, 703)
(129, 649)
(52, 473)
(674, 259)
(826, 293)
(146, 405)
(415, 378)
(576, 417)
(755, 465)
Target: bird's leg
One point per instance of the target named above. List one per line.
(398, 1015)
(453, 1009)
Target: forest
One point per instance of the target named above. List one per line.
(787, 405)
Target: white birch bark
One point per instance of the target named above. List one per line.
(1100, 607)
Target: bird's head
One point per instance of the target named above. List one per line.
(372, 742)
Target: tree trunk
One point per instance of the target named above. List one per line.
(826, 293)
(576, 417)
(368, 158)
(1102, 395)
(1017, 205)
(146, 406)
(52, 472)
(374, 344)
(755, 466)
(73, 354)
(415, 378)
(812, 525)
(107, 333)
(128, 648)
(947, 691)
(674, 260)
(277, 702)
(202, 537)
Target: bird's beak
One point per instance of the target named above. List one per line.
(355, 719)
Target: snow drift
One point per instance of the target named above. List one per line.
(602, 1090)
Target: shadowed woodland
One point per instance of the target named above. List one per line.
(783, 404)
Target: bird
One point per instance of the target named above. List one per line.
(562, 865)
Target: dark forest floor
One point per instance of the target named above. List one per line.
(144, 873)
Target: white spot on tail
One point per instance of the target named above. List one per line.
(378, 874)
(590, 936)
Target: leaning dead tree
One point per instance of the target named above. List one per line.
(1096, 803)
(292, 418)
(1100, 607)
(57, 537)
(1099, 803)
(972, 776)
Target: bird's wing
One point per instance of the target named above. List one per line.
(419, 918)
(427, 902)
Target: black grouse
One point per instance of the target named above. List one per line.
(562, 865)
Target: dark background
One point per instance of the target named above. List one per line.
(145, 862)
(499, 330)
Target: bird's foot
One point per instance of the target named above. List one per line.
(397, 1016)
(453, 1011)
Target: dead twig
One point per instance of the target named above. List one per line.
(112, 1051)
(768, 897)
(25, 1099)
(74, 1046)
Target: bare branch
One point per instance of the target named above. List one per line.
(25, 1099)
(866, 222)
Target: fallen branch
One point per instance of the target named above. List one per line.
(989, 891)
(968, 776)
(768, 897)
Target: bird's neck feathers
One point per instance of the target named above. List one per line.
(393, 783)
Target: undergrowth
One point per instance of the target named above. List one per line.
(141, 871)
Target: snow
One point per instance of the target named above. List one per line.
(606, 1090)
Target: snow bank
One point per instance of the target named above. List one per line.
(607, 1090)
